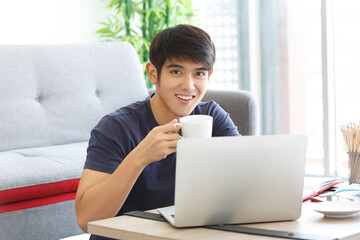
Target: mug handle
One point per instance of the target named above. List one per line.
(179, 124)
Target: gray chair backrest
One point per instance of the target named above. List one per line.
(55, 94)
(242, 107)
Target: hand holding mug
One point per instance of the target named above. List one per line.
(199, 126)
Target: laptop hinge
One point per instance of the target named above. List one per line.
(239, 229)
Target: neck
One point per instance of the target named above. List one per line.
(161, 113)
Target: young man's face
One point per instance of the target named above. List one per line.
(181, 87)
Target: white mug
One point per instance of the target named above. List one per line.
(199, 126)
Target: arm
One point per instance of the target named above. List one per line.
(101, 195)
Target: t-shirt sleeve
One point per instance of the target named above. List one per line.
(222, 125)
(104, 152)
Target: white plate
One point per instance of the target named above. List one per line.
(337, 209)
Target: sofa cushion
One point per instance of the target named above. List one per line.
(33, 173)
(55, 94)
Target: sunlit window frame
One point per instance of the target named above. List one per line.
(328, 80)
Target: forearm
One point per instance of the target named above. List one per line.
(105, 199)
(101, 195)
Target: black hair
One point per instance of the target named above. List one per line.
(182, 42)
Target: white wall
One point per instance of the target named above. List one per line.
(50, 21)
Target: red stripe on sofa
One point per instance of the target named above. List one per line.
(38, 202)
(38, 191)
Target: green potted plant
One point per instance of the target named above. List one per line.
(138, 22)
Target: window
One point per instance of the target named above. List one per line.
(331, 47)
(305, 111)
(220, 19)
(314, 89)
(346, 72)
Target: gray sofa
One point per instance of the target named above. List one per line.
(51, 96)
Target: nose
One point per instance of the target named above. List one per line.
(187, 83)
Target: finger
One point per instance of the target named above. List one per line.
(173, 149)
(171, 127)
(172, 144)
(174, 121)
(170, 151)
(171, 136)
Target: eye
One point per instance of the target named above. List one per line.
(201, 74)
(176, 72)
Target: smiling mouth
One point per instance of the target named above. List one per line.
(185, 97)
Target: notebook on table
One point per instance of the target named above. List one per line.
(230, 180)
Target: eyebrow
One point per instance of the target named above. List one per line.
(182, 67)
(174, 66)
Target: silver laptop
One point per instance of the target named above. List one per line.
(229, 180)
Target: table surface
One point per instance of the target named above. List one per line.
(311, 222)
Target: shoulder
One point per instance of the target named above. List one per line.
(133, 122)
(206, 107)
(209, 108)
(134, 109)
(126, 115)
(222, 123)
(115, 136)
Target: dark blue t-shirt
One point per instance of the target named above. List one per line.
(118, 133)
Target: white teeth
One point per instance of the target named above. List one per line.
(184, 97)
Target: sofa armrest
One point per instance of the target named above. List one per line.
(242, 107)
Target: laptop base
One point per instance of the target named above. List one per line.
(168, 214)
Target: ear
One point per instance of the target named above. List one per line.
(152, 72)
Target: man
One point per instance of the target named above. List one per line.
(130, 163)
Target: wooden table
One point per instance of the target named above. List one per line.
(311, 222)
